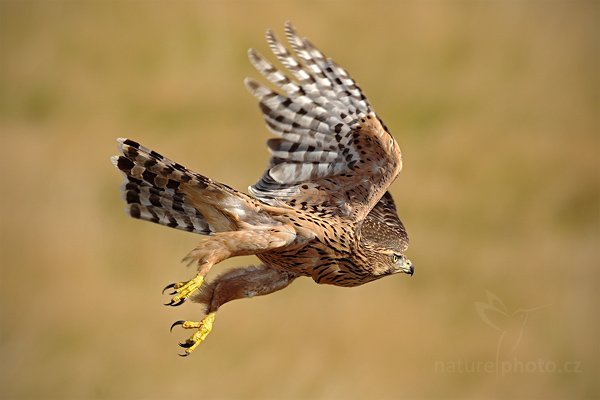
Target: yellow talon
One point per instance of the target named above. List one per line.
(204, 327)
(184, 290)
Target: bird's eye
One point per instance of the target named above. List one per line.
(396, 258)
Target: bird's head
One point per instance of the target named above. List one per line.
(383, 240)
(401, 264)
(386, 261)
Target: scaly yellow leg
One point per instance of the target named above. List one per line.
(204, 327)
(183, 290)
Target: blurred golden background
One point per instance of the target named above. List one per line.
(495, 106)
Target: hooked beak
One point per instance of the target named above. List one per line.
(407, 267)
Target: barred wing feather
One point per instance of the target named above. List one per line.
(332, 152)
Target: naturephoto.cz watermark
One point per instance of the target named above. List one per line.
(510, 326)
(507, 367)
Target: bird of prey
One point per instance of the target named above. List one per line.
(321, 208)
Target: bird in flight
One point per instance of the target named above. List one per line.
(321, 208)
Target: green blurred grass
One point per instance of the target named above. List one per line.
(493, 103)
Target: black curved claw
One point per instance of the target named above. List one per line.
(187, 344)
(183, 355)
(170, 286)
(173, 304)
(180, 322)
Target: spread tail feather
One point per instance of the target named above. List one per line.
(162, 191)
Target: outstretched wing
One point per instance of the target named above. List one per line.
(333, 154)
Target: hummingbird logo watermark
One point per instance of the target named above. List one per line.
(511, 326)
